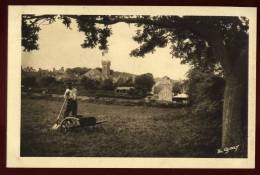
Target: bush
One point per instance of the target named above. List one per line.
(177, 87)
(89, 83)
(47, 81)
(206, 91)
(29, 82)
(107, 85)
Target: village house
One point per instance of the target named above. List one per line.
(163, 89)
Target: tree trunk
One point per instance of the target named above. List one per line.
(234, 131)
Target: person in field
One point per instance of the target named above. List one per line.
(71, 96)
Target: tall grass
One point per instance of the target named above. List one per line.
(130, 131)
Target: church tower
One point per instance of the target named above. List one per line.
(106, 68)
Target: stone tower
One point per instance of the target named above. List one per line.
(106, 68)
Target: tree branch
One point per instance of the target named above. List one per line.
(206, 31)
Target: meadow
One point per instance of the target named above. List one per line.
(129, 131)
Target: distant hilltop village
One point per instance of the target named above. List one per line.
(162, 88)
(98, 73)
(106, 73)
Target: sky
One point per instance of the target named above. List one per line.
(60, 47)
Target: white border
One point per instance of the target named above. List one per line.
(14, 94)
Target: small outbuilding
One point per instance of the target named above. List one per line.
(181, 98)
(124, 89)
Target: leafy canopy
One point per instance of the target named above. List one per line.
(198, 40)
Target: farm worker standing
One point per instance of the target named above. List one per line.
(71, 96)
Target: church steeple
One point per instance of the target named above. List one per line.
(105, 68)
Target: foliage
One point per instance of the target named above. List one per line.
(212, 43)
(107, 84)
(144, 82)
(47, 81)
(124, 82)
(31, 27)
(28, 69)
(195, 39)
(177, 87)
(95, 34)
(89, 83)
(29, 81)
(206, 91)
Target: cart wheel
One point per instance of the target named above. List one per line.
(68, 123)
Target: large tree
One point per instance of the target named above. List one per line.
(144, 82)
(208, 42)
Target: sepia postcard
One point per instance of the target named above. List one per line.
(131, 87)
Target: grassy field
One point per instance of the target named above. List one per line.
(130, 131)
